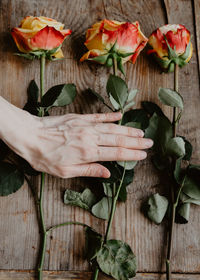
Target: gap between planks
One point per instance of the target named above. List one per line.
(84, 275)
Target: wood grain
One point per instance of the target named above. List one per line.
(196, 6)
(68, 275)
(19, 237)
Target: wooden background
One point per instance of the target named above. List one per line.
(19, 236)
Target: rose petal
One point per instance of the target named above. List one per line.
(47, 38)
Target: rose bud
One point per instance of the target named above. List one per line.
(109, 38)
(171, 44)
(40, 34)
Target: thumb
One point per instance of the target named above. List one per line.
(90, 170)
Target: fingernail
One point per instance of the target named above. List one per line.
(143, 155)
(106, 173)
(148, 143)
(119, 114)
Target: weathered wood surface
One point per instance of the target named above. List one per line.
(19, 236)
(68, 275)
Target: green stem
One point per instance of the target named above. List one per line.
(66, 224)
(43, 250)
(173, 202)
(115, 196)
(113, 208)
(175, 109)
(114, 66)
(96, 274)
(42, 181)
(42, 72)
(41, 201)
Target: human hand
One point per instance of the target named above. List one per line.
(72, 144)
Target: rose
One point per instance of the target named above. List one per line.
(40, 33)
(171, 44)
(106, 37)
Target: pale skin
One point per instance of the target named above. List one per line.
(71, 145)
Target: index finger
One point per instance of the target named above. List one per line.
(104, 117)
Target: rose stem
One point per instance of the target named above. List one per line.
(42, 181)
(174, 203)
(115, 195)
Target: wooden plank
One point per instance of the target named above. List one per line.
(68, 275)
(197, 28)
(65, 249)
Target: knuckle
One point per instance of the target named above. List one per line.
(89, 171)
(98, 153)
(119, 140)
(139, 142)
(112, 127)
(97, 117)
(120, 153)
(83, 153)
(98, 138)
(87, 154)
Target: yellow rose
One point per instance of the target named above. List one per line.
(126, 37)
(171, 44)
(40, 33)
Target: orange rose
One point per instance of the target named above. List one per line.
(125, 39)
(171, 45)
(40, 33)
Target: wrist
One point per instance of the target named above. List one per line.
(16, 126)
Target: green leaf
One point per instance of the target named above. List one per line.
(33, 92)
(125, 54)
(178, 171)
(107, 189)
(160, 162)
(129, 164)
(100, 59)
(188, 149)
(26, 55)
(59, 95)
(183, 213)
(11, 179)
(160, 131)
(187, 52)
(109, 62)
(152, 108)
(102, 208)
(170, 97)
(172, 53)
(32, 108)
(118, 89)
(136, 115)
(132, 94)
(157, 207)
(184, 198)
(120, 65)
(114, 103)
(191, 185)
(94, 242)
(128, 179)
(96, 94)
(176, 147)
(134, 124)
(116, 259)
(85, 200)
(129, 105)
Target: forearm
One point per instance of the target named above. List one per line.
(15, 125)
